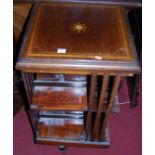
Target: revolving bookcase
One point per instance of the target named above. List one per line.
(72, 58)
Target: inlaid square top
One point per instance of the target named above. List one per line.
(77, 38)
(78, 32)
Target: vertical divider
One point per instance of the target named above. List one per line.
(29, 97)
(96, 129)
(29, 83)
(31, 79)
(90, 104)
(107, 114)
(26, 84)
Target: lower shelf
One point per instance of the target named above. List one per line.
(74, 142)
(67, 132)
(61, 128)
(80, 143)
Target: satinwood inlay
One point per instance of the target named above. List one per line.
(78, 27)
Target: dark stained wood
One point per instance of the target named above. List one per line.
(133, 84)
(104, 53)
(74, 33)
(26, 85)
(31, 79)
(76, 41)
(17, 98)
(96, 129)
(30, 85)
(135, 19)
(79, 67)
(112, 97)
(31, 116)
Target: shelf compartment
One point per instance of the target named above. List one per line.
(61, 128)
(63, 80)
(62, 114)
(75, 142)
(59, 98)
(61, 77)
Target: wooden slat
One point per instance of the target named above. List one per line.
(100, 107)
(112, 97)
(29, 85)
(26, 87)
(31, 81)
(30, 112)
(91, 100)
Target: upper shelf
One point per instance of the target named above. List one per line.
(59, 98)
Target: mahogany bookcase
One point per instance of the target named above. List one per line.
(72, 59)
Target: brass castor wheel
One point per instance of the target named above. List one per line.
(62, 148)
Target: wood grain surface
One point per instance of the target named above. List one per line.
(61, 128)
(82, 31)
(59, 98)
(59, 35)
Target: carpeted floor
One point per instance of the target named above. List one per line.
(125, 134)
